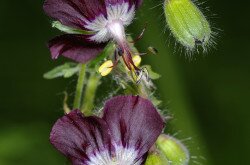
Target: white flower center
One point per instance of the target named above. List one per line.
(123, 156)
(112, 26)
(117, 30)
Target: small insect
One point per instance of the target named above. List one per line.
(152, 50)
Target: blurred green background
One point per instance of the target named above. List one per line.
(209, 97)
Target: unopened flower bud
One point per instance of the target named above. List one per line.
(173, 149)
(106, 68)
(187, 23)
(156, 158)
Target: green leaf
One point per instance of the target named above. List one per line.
(66, 70)
(153, 75)
(69, 30)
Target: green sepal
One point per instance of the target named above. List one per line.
(152, 75)
(155, 101)
(173, 149)
(130, 89)
(69, 30)
(156, 158)
(66, 70)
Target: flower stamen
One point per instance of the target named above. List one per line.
(139, 37)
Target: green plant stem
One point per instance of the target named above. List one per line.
(79, 87)
(89, 96)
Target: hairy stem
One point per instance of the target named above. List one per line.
(79, 87)
(89, 96)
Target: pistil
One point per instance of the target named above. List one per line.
(117, 30)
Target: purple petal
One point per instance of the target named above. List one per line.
(137, 3)
(74, 13)
(75, 47)
(77, 137)
(133, 122)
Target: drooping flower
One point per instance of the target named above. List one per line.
(129, 127)
(105, 19)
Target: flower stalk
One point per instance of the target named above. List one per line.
(79, 87)
(90, 92)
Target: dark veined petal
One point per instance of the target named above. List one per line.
(77, 137)
(137, 3)
(75, 47)
(74, 13)
(133, 122)
(129, 122)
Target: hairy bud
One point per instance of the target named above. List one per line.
(173, 149)
(156, 158)
(187, 23)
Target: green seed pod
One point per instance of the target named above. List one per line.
(156, 158)
(187, 23)
(173, 149)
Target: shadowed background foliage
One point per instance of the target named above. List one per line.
(208, 97)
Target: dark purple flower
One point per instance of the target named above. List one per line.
(128, 128)
(105, 18)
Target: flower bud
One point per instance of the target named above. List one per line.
(106, 68)
(173, 149)
(156, 158)
(187, 23)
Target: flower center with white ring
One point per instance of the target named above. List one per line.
(118, 16)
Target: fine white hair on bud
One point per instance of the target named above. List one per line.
(156, 157)
(188, 24)
(173, 149)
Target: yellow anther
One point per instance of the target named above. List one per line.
(106, 68)
(137, 60)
